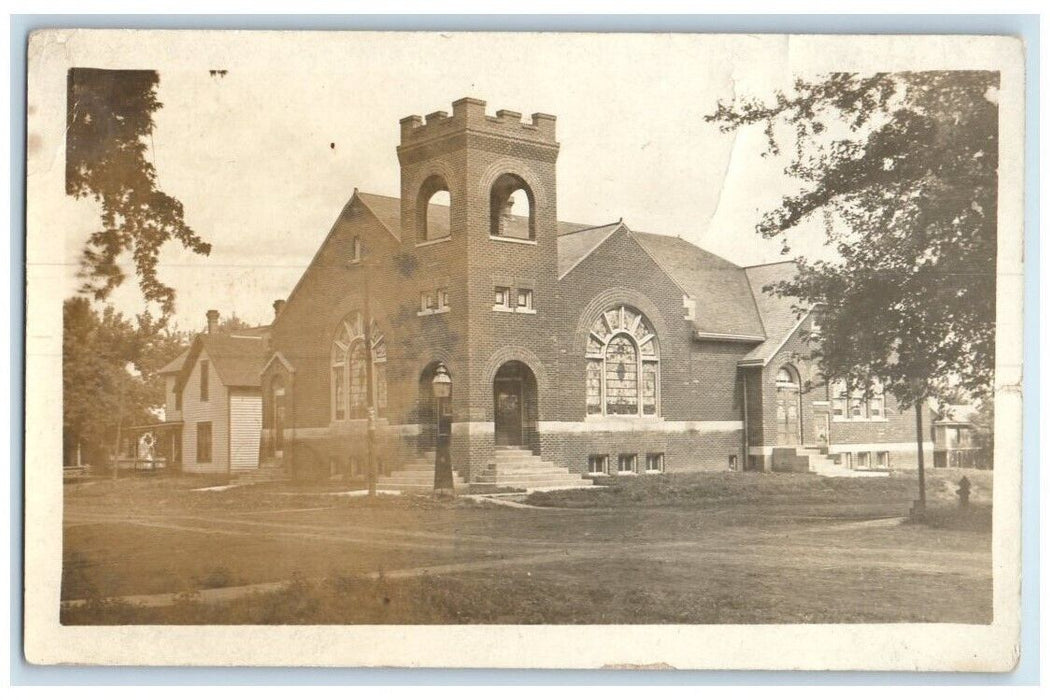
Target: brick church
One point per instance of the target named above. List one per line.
(573, 349)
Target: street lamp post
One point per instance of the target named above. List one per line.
(442, 386)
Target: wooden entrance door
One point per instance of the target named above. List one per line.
(507, 397)
(787, 416)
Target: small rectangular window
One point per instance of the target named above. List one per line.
(442, 299)
(524, 299)
(502, 300)
(426, 302)
(204, 380)
(882, 460)
(654, 462)
(355, 249)
(847, 460)
(863, 460)
(628, 464)
(204, 442)
(598, 464)
(178, 399)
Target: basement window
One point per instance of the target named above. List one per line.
(598, 464)
(654, 462)
(628, 464)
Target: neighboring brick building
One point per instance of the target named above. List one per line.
(595, 348)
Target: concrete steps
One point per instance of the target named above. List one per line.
(416, 475)
(520, 468)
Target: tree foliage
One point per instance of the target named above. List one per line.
(109, 119)
(903, 169)
(109, 374)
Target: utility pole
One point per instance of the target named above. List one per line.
(370, 437)
(920, 507)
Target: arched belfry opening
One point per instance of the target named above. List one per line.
(512, 208)
(433, 210)
(516, 406)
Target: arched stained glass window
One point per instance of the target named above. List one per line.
(350, 373)
(623, 365)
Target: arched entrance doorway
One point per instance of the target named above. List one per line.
(515, 405)
(277, 417)
(789, 406)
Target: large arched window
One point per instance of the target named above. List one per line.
(623, 365)
(350, 373)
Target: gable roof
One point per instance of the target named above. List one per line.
(237, 359)
(576, 242)
(778, 317)
(175, 366)
(720, 289)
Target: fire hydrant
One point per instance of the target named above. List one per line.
(964, 492)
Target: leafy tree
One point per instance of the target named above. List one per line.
(109, 117)
(234, 323)
(109, 375)
(903, 169)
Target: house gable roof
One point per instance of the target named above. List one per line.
(175, 366)
(237, 359)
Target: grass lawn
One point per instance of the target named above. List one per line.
(720, 548)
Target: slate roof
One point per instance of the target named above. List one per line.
(388, 211)
(724, 305)
(576, 242)
(778, 318)
(175, 366)
(237, 359)
(729, 299)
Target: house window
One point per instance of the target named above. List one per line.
(442, 299)
(622, 365)
(847, 460)
(863, 460)
(426, 302)
(355, 250)
(598, 464)
(654, 462)
(627, 464)
(882, 460)
(524, 300)
(178, 399)
(349, 376)
(204, 380)
(204, 442)
(502, 299)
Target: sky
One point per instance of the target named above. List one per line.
(264, 157)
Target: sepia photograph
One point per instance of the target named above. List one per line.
(589, 340)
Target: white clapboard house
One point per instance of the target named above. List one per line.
(213, 407)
